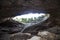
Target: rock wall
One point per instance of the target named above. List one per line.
(10, 8)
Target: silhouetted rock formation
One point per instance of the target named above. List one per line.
(11, 26)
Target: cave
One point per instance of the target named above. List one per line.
(41, 20)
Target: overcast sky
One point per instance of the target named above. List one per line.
(29, 15)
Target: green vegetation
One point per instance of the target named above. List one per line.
(27, 20)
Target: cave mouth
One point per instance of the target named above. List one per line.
(31, 17)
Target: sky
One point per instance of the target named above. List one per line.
(29, 15)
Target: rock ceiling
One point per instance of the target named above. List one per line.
(9, 8)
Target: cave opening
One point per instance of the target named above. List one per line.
(31, 19)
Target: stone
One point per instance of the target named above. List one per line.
(47, 35)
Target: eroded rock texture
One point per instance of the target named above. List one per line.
(10, 8)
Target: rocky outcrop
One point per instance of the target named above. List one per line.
(11, 26)
(43, 35)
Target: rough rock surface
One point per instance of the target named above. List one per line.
(11, 26)
(11, 8)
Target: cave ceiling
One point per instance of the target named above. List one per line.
(10, 8)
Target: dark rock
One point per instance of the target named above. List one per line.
(11, 26)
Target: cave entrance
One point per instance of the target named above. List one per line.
(31, 19)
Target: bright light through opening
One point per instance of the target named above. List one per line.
(29, 15)
(27, 18)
